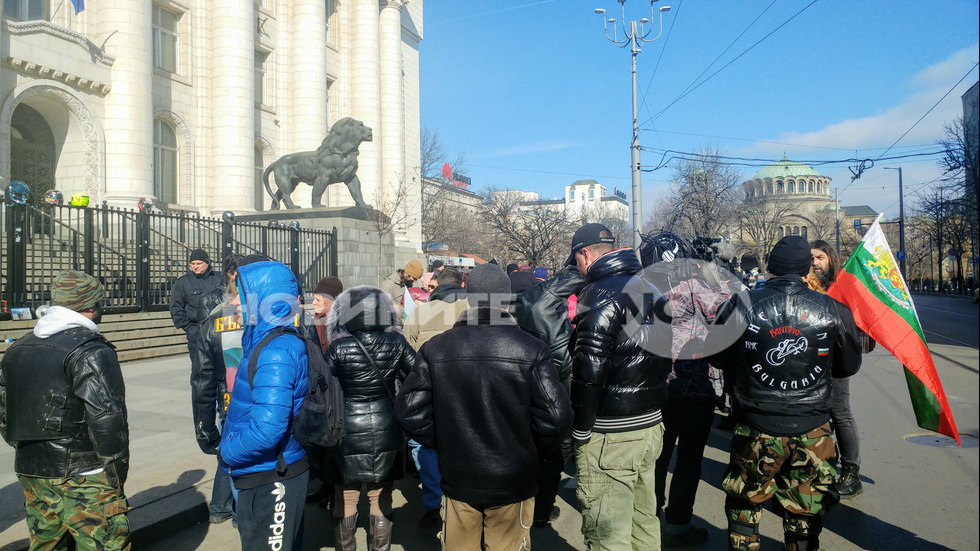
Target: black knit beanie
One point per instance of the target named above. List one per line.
(791, 255)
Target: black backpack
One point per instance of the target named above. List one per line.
(321, 418)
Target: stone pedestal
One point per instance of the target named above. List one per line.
(362, 257)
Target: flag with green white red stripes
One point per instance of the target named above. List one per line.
(871, 285)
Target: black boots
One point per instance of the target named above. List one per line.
(849, 483)
(379, 533)
(343, 533)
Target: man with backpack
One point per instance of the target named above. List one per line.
(268, 465)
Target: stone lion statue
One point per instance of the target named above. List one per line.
(335, 161)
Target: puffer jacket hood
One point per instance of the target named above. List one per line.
(257, 434)
(362, 309)
(619, 262)
(270, 298)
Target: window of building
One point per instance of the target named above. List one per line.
(811, 187)
(26, 10)
(165, 157)
(796, 230)
(780, 188)
(260, 88)
(791, 187)
(259, 186)
(803, 232)
(781, 233)
(329, 86)
(331, 7)
(591, 194)
(166, 39)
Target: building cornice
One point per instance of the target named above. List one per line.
(30, 68)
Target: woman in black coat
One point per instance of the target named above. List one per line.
(368, 354)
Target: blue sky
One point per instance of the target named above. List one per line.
(537, 97)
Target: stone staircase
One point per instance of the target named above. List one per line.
(136, 336)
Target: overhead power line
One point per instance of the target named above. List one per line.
(747, 50)
(948, 92)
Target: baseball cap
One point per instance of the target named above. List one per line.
(589, 234)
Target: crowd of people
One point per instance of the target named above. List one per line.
(494, 382)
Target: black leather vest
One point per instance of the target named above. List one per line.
(41, 404)
(783, 381)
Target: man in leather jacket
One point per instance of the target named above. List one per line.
(485, 396)
(187, 308)
(618, 387)
(542, 311)
(63, 409)
(786, 343)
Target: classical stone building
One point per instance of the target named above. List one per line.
(801, 193)
(187, 100)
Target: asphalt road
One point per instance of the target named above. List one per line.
(949, 319)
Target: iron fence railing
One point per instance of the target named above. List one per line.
(136, 254)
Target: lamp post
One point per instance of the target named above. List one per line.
(636, 36)
(901, 220)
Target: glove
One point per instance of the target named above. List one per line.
(208, 441)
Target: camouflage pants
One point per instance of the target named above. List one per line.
(797, 470)
(86, 507)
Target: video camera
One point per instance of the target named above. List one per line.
(704, 247)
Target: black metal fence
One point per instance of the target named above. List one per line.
(138, 255)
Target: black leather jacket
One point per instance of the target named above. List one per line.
(618, 382)
(786, 343)
(186, 300)
(485, 395)
(63, 406)
(542, 311)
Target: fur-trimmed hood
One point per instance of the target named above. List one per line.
(362, 309)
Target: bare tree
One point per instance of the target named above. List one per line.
(823, 226)
(759, 221)
(536, 234)
(703, 201)
(393, 209)
(603, 213)
(433, 154)
(961, 173)
(934, 209)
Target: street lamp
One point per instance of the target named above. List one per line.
(636, 36)
(901, 221)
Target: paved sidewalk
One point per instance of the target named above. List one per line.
(921, 495)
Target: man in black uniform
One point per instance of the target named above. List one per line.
(186, 307)
(787, 342)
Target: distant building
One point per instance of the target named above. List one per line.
(802, 193)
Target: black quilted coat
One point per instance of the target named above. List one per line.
(372, 448)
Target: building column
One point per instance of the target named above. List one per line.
(366, 101)
(308, 65)
(128, 120)
(233, 105)
(392, 95)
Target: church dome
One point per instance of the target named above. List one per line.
(785, 168)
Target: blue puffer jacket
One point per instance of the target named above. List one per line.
(257, 426)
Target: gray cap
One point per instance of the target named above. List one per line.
(484, 280)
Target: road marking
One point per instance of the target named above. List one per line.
(946, 312)
(951, 339)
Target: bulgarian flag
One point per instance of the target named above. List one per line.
(871, 285)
